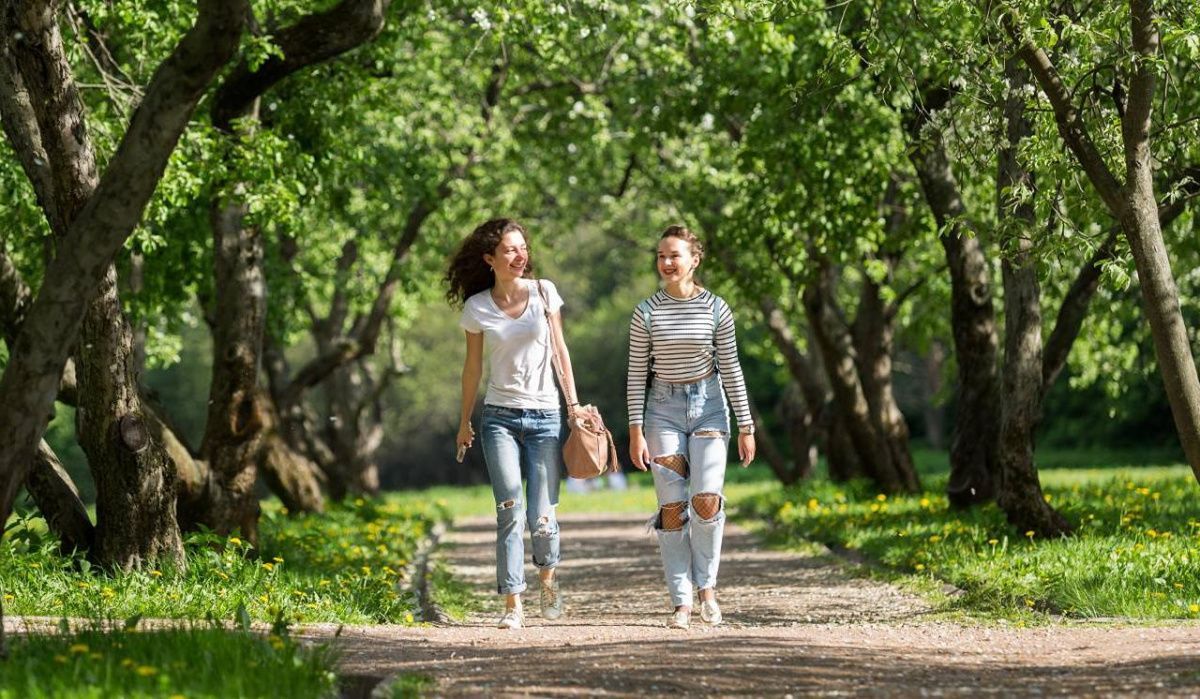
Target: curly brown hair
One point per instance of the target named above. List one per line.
(468, 274)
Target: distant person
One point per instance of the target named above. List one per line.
(682, 338)
(522, 427)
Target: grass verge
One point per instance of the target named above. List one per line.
(349, 565)
(192, 662)
(1135, 553)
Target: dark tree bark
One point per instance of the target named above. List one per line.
(973, 441)
(840, 358)
(1019, 491)
(874, 333)
(58, 500)
(92, 218)
(775, 459)
(236, 444)
(233, 430)
(135, 481)
(1134, 205)
(804, 403)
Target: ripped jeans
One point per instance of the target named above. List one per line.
(687, 433)
(523, 442)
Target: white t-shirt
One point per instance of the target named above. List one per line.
(520, 372)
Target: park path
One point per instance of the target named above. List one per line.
(796, 625)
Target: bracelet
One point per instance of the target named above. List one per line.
(749, 429)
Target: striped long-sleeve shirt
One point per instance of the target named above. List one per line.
(680, 347)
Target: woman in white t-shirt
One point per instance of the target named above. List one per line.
(522, 427)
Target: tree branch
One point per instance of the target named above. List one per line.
(312, 39)
(1070, 124)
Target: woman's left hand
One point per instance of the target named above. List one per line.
(746, 448)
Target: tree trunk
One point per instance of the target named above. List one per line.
(1019, 491)
(135, 482)
(291, 475)
(838, 355)
(843, 460)
(769, 451)
(803, 432)
(355, 430)
(233, 430)
(806, 402)
(1135, 206)
(874, 326)
(58, 500)
(972, 316)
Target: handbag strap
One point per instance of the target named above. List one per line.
(555, 348)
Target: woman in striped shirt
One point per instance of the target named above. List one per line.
(682, 339)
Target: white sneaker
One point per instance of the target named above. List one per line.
(513, 618)
(710, 612)
(680, 619)
(552, 603)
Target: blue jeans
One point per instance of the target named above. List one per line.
(691, 420)
(523, 442)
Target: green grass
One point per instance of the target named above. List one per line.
(346, 565)
(192, 662)
(1135, 553)
(469, 501)
(408, 686)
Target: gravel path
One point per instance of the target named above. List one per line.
(795, 625)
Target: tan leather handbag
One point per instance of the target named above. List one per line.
(589, 450)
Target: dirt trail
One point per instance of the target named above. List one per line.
(795, 624)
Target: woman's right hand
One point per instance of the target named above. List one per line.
(639, 453)
(466, 436)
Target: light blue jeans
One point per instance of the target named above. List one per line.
(523, 442)
(692, 420)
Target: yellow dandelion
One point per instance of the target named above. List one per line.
(993, 542)
(924, 502)
(934, 539)
(146, 671)
(268, 566)
(1030, 533)
(235, 541)
(1194, 608)
(408, 618)
(881, 497)
(127, 662)
(1151, 533)
(79, 648)
(277, 559)
(919, 566)
(60, 658)
(156, 573)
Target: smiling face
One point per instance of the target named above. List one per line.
(510, 258)
(676, 261)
